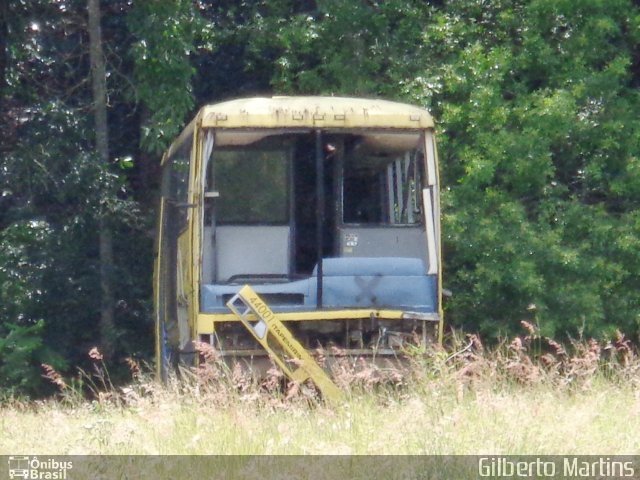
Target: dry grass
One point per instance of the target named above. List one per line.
(530, 396)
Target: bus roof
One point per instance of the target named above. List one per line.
(314, 112)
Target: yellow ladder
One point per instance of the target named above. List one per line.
(265, 326)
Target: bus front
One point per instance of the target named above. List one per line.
(329, 209)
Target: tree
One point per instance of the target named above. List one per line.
(165, 35)
(51, 177)
(537, 102)
(536, 107)
(99, 89)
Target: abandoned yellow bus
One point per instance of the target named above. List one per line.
(327, 207)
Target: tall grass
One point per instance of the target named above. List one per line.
(529, 396)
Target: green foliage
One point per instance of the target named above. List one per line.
(22, 267)
(21, 352)
(536, 104)
(49, 266)
(336, 47)
(165, 33)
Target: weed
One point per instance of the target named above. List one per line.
(463, 399)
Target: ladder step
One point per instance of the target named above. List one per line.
(269, 327)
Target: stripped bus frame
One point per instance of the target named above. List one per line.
(327, 206)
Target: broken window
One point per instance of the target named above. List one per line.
(382, 180)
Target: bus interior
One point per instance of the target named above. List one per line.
(321, 219)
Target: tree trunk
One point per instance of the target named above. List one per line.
(4, 45)
(99, 86)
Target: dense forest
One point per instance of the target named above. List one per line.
(536, 103)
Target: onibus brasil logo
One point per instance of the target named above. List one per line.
(38, 469)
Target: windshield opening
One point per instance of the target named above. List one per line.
(382, 180)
